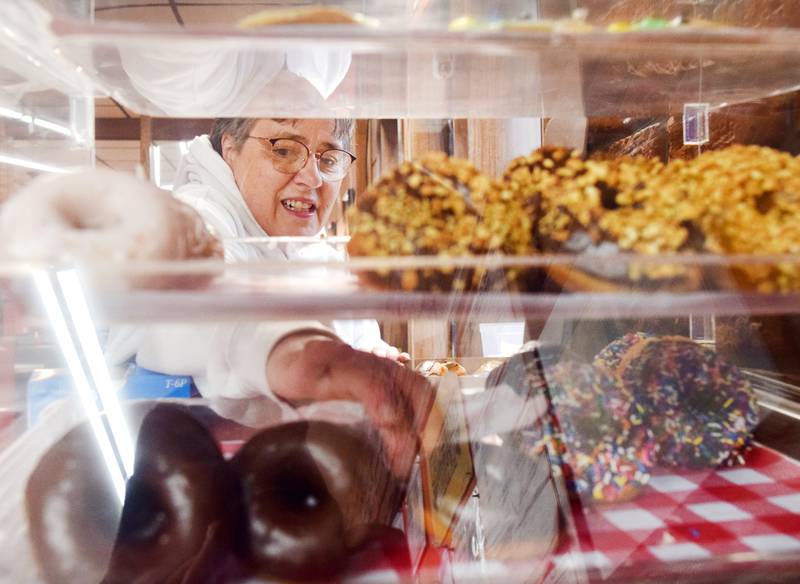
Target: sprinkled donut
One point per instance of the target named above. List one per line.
(698, 408)
(588, 404)
(102, 216)
(585, 428)
(590, 411)
(611, 355)
(612, 473)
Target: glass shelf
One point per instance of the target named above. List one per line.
(279, 290)
(402, 72)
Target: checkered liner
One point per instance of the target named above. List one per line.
(693, 516)
(684, 516)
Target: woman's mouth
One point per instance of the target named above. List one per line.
(299, 207)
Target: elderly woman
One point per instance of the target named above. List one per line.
(259, 177)
(277, 177)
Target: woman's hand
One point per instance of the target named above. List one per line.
(308, 367)
(389, 352)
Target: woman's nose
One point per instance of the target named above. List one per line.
(309, 175)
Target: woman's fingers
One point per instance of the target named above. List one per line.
(382, 351)
(395, 399)
(400, 449)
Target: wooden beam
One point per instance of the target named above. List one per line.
(362, 168)
(427, 338)
(161, 128)
(145, 133)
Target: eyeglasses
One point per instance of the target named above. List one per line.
(290, 156)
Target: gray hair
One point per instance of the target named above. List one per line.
(239, 128)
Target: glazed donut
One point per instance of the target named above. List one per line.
(488, 366)
(180, 488)
(101, 216)
(181, 495)
(309, 488)
(300, 15)
(72, 510)
(698, 408)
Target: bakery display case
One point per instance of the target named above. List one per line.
(579, 219)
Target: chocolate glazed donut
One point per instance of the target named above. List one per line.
(309, 489)
(72, 510)
(181, 506)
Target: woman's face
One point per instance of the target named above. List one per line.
(284, 204)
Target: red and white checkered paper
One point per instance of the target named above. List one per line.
(684, 516)
(693, 516)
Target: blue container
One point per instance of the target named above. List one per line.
(46, 386)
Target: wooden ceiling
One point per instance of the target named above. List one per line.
(183, 12)
(117, 129)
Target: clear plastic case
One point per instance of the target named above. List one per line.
(642, 430)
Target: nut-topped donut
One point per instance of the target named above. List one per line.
(747, 199)
(102, 216)
(437, 205)
(611, 207)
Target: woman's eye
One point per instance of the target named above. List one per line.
(282, 152)
(327, 162)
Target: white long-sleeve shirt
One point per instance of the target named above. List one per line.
(228, 360)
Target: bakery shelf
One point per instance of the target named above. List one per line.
(215, 304)
(279, 289)
(402, 72)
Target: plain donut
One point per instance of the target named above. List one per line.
(101, 216)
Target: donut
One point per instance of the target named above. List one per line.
(488, 366)
(698, 409)
(584, 430)
(590, 413)
(79, 531)
(522, 372)
(380, 546)
(770, 343)
(611, 207)
(439, 368)
(72, 510)
(300, 15)
(611, 473)
(181, 503)
(102, 216)
(589, 404)
(436, 206)
(748, 199)
(611, 355)
(309, 488)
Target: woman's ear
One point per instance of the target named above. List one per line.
(228, 148)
